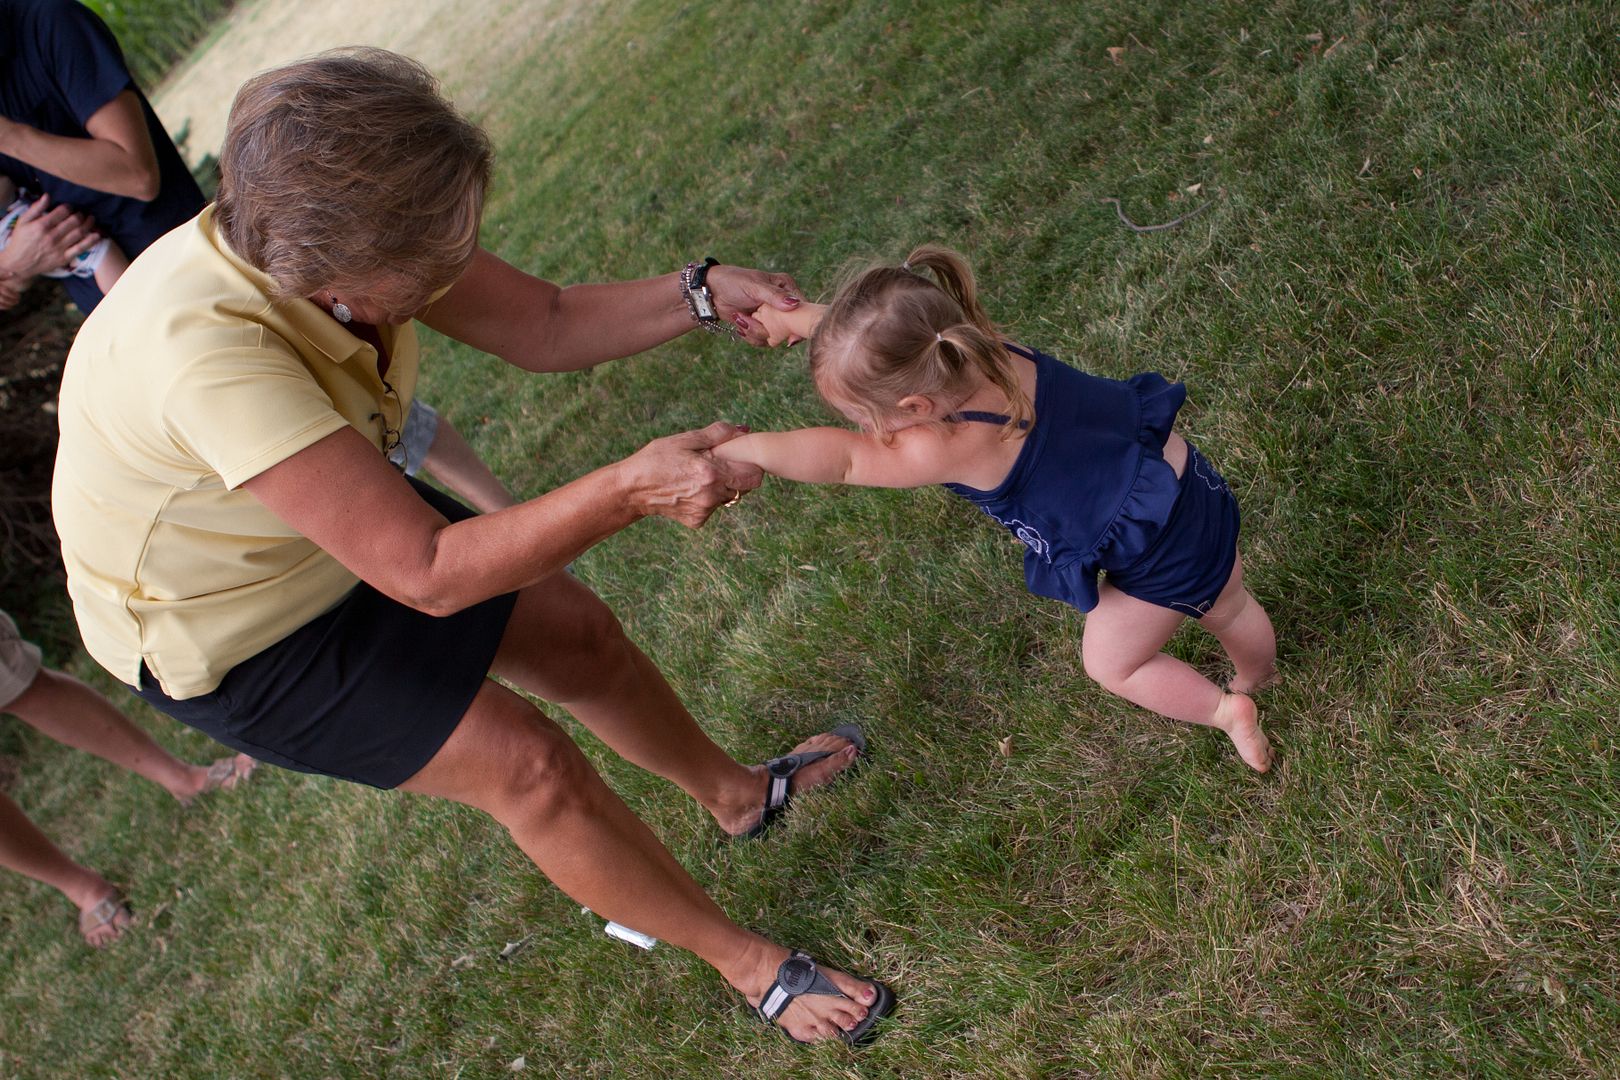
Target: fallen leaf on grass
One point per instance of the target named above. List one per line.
(465, 960)
(1116, 53)
(512, 947)
(1193, 189)
(1316, 37)
(518, 1064)
(1005, 746)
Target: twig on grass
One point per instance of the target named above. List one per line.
(1134, 227)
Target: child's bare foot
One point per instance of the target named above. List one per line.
(1254, 686)
(1237, 716)
(748, 812)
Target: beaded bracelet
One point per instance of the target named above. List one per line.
(700, 301)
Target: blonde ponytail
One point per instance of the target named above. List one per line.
(953, 274)
(918, 328)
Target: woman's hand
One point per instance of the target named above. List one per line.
(738, 291)
(674, 477)
(46, 238)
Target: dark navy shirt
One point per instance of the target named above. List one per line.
(59, 64)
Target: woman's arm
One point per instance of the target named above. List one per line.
(916, 457)
(344, 496)
(117, 157)
(539, 326)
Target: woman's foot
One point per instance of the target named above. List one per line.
(223, 775)
(809, 1017)
(103, 915)
(747, 809)
(1237, 716)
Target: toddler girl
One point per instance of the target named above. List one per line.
(103, 261)
(1086, 471)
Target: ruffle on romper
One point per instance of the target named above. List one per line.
(1141, 515)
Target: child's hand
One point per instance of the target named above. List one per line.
(790, 327)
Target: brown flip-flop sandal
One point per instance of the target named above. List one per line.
(105, 913)
(221, 773)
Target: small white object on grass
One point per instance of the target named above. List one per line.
(624, 933)
(634, 937)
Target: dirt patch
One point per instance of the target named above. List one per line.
(469, 44)
(34, 339)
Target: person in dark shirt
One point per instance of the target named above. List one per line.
(77, 131)
(79, 136)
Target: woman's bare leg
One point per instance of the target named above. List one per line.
(510, 760)
(1120, 645)
(564, 645)
(28, 851)
(65, 709)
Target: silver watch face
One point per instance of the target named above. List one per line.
(703, 303)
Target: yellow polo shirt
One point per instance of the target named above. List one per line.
(184, 382)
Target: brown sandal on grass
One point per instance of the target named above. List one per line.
(104, 916)
(226, 774)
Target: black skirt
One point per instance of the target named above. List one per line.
(367, 692)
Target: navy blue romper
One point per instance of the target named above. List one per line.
(1091, 493)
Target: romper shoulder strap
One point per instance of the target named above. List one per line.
(983, 418)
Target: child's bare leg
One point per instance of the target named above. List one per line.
(1121, 647)
(452, 460)
(110, 268)
(1240, 624)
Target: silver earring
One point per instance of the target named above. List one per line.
(340, 312)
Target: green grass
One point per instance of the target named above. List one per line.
(1396, 331)
(154, 34)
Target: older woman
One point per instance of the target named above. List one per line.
(243, 554)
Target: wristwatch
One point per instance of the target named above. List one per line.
(699, 299)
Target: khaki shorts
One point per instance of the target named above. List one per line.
(19, 662)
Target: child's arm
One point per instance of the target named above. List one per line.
(916, 457)
(111, 267)
(789, 326)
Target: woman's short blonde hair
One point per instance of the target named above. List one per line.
(349, 167)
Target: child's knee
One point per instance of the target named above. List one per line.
(1108, 672)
